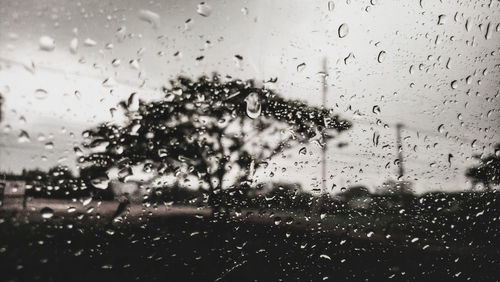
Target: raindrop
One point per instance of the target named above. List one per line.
(23, 137)
(100, 182)
(474, 143)
(162, 153)
(99, 145)
(441, 19)
(376, 138)
(49, 145)
(277, 220)
(115, 62)
(303, 151)
(134, 64)
(254, 106)
(149, 17)
(204, 9)
(331, 6)
(349, 59)
(133, 102)
(41, 93)
(90, 42)
(381, 56)
(376, 109)
(47, 212)
(78, 151)
(86, 201)
(489, 30)
(124, 174)
(301, 67)
(468, 79)
(454, 84)
(73, 45)
(47, 43)
(109, 82)
(325, 257)
(343, 30)
(441, 128)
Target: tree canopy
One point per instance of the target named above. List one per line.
(488, 171)
(207, 128)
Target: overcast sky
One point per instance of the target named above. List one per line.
(402, 56)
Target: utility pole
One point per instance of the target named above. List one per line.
(401, 170)
(319, 202)
(323, 156)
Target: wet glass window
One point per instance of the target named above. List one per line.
(249, 140)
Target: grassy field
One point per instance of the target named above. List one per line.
(191, 246)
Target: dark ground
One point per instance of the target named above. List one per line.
(193, 248)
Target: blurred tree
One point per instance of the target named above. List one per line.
(207, 128)
(488, 172)
(57, 182)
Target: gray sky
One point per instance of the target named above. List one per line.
(411, 84)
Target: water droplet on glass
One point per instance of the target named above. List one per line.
(343, 30)
(109, 82)
(254, 106)
(441, 128)
(277, 220)
(89, 42)
(133, 102)
(454, 84)
(149, 17)
(73, 45)
(47, 43)
(49, 145)
(124, 174)
(474, 143)
(115, 62)
(467, 24)
(301, 67)
(331, 6)
(489, 30)
(376, 109)
(349, 59)
(47, 212)
(23, 137)
(325, 257)
(381, 56)
(441, 19)
(100, 182)
(78, 151)
(204, 9)
(376, 138)
(448, 63)
(303, 151)
(134, 64)
(41, 93)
